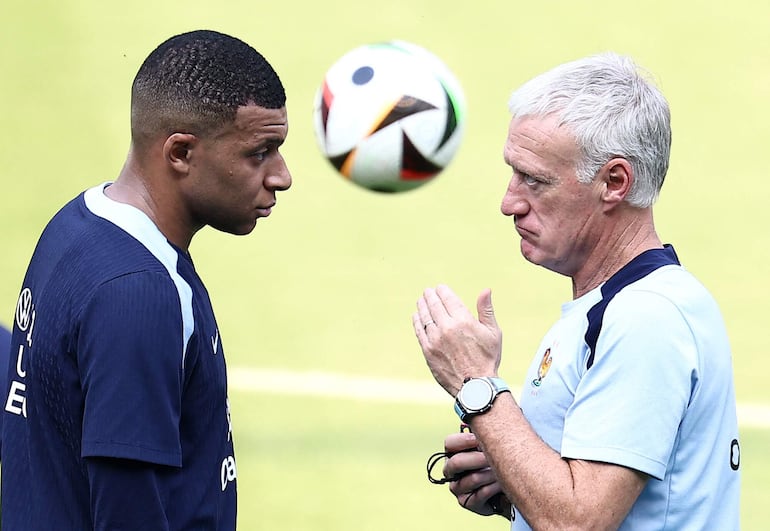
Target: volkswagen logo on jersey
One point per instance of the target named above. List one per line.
(24, 309)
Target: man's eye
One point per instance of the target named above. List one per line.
(260, 155)
(529, 180)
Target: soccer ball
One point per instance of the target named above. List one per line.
(389, 116)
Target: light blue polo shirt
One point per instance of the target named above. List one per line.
(638, 372)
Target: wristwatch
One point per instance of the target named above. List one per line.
(477, 395)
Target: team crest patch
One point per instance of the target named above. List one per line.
(544, 366)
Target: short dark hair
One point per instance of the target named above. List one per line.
(195, 82)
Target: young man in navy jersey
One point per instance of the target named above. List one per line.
(116, 414)
(627, 416)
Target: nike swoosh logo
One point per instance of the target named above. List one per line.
(215, 341)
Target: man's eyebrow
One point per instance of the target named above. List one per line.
(535, 173)
(269, 140)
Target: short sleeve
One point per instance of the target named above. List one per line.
(629, 404)
(129, 352)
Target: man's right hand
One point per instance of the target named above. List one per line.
(476, 487)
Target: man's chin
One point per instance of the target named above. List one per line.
(535, 256)
(529, 252)
(241, 229)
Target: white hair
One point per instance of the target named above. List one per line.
(613, 109)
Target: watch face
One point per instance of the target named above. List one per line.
(476, 394)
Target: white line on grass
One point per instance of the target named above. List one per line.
(335, 385)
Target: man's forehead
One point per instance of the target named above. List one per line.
(538, 127)
(254, 115)
(539, 137)
(253, 120)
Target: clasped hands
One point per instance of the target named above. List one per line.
(456, 345)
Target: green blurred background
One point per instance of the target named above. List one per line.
(328, 283)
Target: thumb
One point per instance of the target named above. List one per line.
(485, 309)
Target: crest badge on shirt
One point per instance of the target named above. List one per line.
(545, 364)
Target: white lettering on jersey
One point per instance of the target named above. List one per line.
(17, 403)
(31, 327)
(19, 370)
(228, 472)
(229, 419)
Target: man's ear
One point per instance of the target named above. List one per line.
(617, 176)
(176, 151)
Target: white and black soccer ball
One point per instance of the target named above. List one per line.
(389, 116)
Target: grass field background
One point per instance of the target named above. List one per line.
(329, 281)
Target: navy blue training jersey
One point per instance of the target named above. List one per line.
(116, 359)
